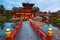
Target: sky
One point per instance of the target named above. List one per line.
(44, 5)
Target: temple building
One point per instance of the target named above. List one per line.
(24, 12)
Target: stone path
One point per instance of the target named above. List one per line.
(26, 32)
(56, 34)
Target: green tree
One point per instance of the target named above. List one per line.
(3, 19)
(36, 9)
(8, 14)
(2, 9)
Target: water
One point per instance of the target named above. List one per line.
(45, 27)
(2, 31)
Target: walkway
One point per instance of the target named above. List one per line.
(26, 32)
(56, 34)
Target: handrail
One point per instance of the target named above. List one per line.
(43, 35)
(14, 32)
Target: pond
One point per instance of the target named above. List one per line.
(47, 26)
(7, 25)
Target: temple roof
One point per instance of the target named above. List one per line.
(17, 8)
(27, 4)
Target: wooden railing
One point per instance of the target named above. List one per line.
(43, 35)
(13, 34)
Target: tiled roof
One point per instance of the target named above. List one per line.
(17, 8)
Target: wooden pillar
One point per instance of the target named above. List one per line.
(24, 15)
(8, 34)
(50, 34)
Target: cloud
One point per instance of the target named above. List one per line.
(54, 6)
(44, 5)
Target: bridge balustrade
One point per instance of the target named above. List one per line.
(43, 35)
(14, 32)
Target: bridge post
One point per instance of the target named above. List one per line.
(8, 34)
(50, 34)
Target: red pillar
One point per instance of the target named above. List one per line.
(50, 32)
(8, 38)
(8, 34)
(49, 37)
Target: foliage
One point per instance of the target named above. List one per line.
(3, 19)
(2, 9)
(36, 9)
(2, 25)
(56, 22)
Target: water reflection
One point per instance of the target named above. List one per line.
(6, 25)
(45, 27)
